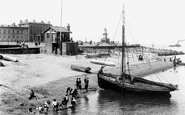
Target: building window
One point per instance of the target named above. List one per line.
(48, 35)
(13, 31)
(4, 32)
(17, 31)
(8, 31)
(0, 31)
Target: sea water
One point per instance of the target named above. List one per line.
(107, 102)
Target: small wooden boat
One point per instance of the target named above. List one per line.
(81, 68)
(99, 62)
(9, 58)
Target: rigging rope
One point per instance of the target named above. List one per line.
(134, 39)
(130, 28)
(156, 72)
(118, 25)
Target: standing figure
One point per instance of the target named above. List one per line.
(85, 80)
(65, 101)
(69, 91)
(86, 84)
(55, 105)
(73, 102)
(80, 84)
(77, 83)
(75, 93)
(46, 106)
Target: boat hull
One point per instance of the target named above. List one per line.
(81, 68)
(100, 62)
(107, 83)
(9, 58)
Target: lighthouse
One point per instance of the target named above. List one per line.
(105, 39)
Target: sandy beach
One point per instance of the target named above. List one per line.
(49, 76)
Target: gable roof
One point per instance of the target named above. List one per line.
(57, 29)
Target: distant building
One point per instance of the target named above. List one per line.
(59, 38)
(105, 39)
(13, 33)
(36, 29)
(24, 31)
(52, 34)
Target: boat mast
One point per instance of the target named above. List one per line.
(61, 27)
(123, 67)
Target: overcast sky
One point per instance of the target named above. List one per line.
(148, 21)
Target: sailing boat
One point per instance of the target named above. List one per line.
(127, 83)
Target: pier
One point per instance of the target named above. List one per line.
(12, 48)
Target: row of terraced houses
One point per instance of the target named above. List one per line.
(24, 31)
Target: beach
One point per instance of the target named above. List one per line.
(49, 76)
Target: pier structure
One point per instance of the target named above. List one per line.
(130, 49)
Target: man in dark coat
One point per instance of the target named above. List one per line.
(32, 95)
(86, 80)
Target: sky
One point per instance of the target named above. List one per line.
(147, 21)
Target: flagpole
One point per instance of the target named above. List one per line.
(61, 28)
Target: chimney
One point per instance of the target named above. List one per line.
(68, 27)
(20, 22)
(13, 24)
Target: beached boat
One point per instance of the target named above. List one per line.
(81, 68)
(100, 62)
(127, 83)
(9, 58)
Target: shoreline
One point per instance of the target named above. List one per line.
(14, 100)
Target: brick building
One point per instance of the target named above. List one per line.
(64, 44)
(36, 29)
(13, 33)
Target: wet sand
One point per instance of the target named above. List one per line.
(49, 76)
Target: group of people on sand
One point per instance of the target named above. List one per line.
(79, 83)
(55, 105)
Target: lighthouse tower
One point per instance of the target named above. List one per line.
(105, 39)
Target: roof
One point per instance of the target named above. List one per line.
(12, 26)
(27, 23)
(58, 29)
